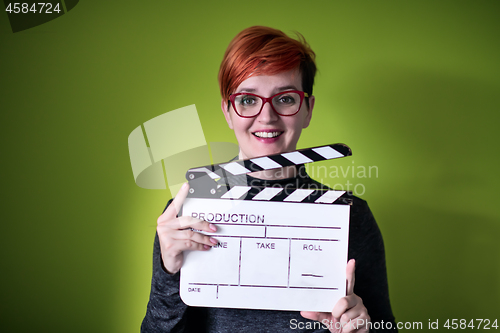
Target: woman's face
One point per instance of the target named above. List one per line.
(252, 133)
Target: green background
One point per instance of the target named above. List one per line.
(412, 86)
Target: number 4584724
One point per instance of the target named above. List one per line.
(485, 324)
(40, 7)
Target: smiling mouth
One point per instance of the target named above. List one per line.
(267, 134)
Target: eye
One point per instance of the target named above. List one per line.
(247, 100)
(286, 99)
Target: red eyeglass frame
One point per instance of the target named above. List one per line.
(268, 99)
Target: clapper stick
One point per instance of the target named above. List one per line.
(202, 180)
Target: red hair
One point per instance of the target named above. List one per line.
(262, 50)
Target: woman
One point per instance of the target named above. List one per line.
(266, 81)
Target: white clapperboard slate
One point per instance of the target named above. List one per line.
(279, 249)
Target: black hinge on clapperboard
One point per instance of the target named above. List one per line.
(204, 182)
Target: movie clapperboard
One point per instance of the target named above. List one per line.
(279, 248)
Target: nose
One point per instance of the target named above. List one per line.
(267, 115)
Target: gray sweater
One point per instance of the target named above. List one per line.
(167, 313)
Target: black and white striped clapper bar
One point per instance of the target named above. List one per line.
(279, 248)
(202, 180)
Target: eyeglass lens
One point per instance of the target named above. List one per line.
(249, 105)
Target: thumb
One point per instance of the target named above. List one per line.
(317, 316)
(175, 207)
(350, 269)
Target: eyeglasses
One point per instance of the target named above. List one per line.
(285, 103)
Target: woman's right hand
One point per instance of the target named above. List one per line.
(176, 234)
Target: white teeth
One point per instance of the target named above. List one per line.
(267, 134)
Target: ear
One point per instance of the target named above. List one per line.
(307, 119)
(225, 110)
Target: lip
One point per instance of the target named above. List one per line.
(268, 140)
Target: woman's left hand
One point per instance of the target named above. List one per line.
(349, 314)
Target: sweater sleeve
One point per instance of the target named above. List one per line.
(367, 247)
(165, 312)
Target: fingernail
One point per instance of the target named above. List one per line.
(212, 227)
(213, 240)
(206, 247)
(184, 185)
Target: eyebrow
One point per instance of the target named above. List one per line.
(250, 90)
(289, 87)
(283, 88)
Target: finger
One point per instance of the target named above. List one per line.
(181, 222)
(188, 222)
(175, 207)
(180, 197)
(343, 305)
(318, 316)
(180, 246)
(356, 311)
(194, 236)
(350, 269)
(357, 318)
(184, 222)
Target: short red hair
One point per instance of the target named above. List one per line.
(262, 50)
